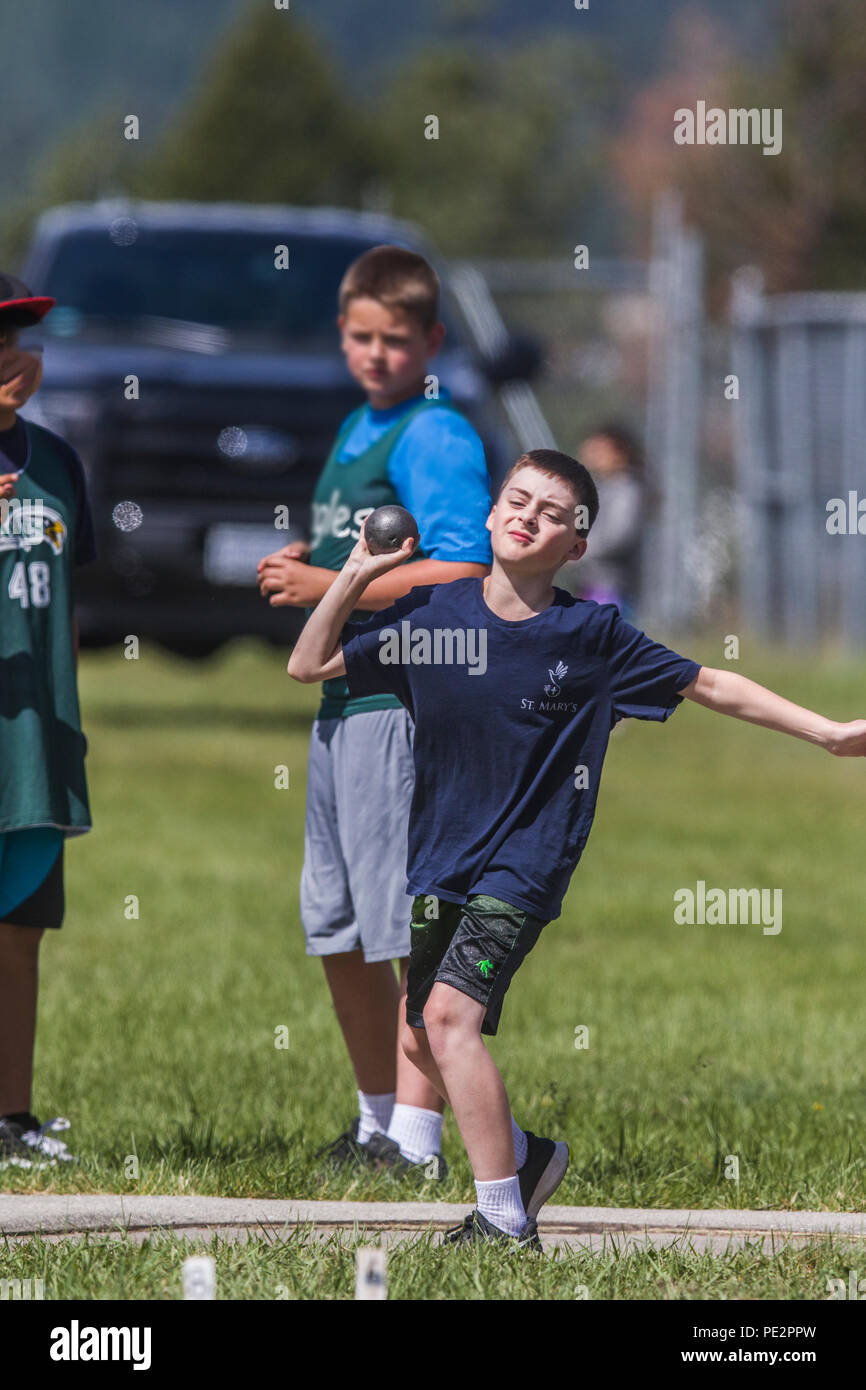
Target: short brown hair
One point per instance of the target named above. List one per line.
(397, 278)
(557, 465)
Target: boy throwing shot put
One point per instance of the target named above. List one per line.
(405, 449)
(513, 685)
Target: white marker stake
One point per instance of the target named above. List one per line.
(370, 1273)
(199, 1277)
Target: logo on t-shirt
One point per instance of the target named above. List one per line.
(31, 523)
(553, 689)
(555, 676)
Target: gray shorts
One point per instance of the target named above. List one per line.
(360, 779)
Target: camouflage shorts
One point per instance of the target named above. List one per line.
(474, 946)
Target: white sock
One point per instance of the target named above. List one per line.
(501, 1203)
(375, 1113)
(521, 1144)
(417, 1131)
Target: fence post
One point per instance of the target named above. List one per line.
(673, 412)
(751, 451)
(853, 551)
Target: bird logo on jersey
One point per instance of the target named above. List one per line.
(29, 523)
(556, 676)
(54, 532)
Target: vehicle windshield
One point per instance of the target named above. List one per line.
(225, 280)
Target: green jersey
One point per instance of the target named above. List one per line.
(44, 530)
(345, 495)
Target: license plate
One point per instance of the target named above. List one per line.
(232, 552)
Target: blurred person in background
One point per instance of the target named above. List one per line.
(609, 571)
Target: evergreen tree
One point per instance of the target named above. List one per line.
(269, 123)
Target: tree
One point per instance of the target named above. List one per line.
(269, 124)
(519, 154)
(799, 215)
(518, 166)
(92, 161)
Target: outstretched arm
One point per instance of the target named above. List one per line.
(727, 693)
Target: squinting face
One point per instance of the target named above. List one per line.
(386, 351)
(532, 524)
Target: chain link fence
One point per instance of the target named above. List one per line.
(752, 427)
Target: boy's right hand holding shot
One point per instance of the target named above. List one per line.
(514, 687)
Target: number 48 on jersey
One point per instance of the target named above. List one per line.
(31, 584)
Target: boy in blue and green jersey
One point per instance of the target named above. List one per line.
(401, 447)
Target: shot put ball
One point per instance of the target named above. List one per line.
(387, 528)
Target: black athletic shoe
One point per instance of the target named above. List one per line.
(383, 1152)
(345, 1149)
(14, 1153)
(476, 1229)
(541, 1174)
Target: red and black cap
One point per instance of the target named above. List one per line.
(19, 306)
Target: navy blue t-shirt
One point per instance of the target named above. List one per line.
(506, 714)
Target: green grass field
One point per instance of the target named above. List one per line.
(157, 1034)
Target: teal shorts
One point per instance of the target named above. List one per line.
(31, 877)
(474, 946)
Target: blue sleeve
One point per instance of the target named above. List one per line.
(439, 473)
(643, 675)
(369, 649)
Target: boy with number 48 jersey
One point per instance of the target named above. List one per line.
(45, 531)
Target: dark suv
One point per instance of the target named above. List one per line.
(202, 391)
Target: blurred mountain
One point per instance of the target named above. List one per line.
(68, 59)
(633, 31)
